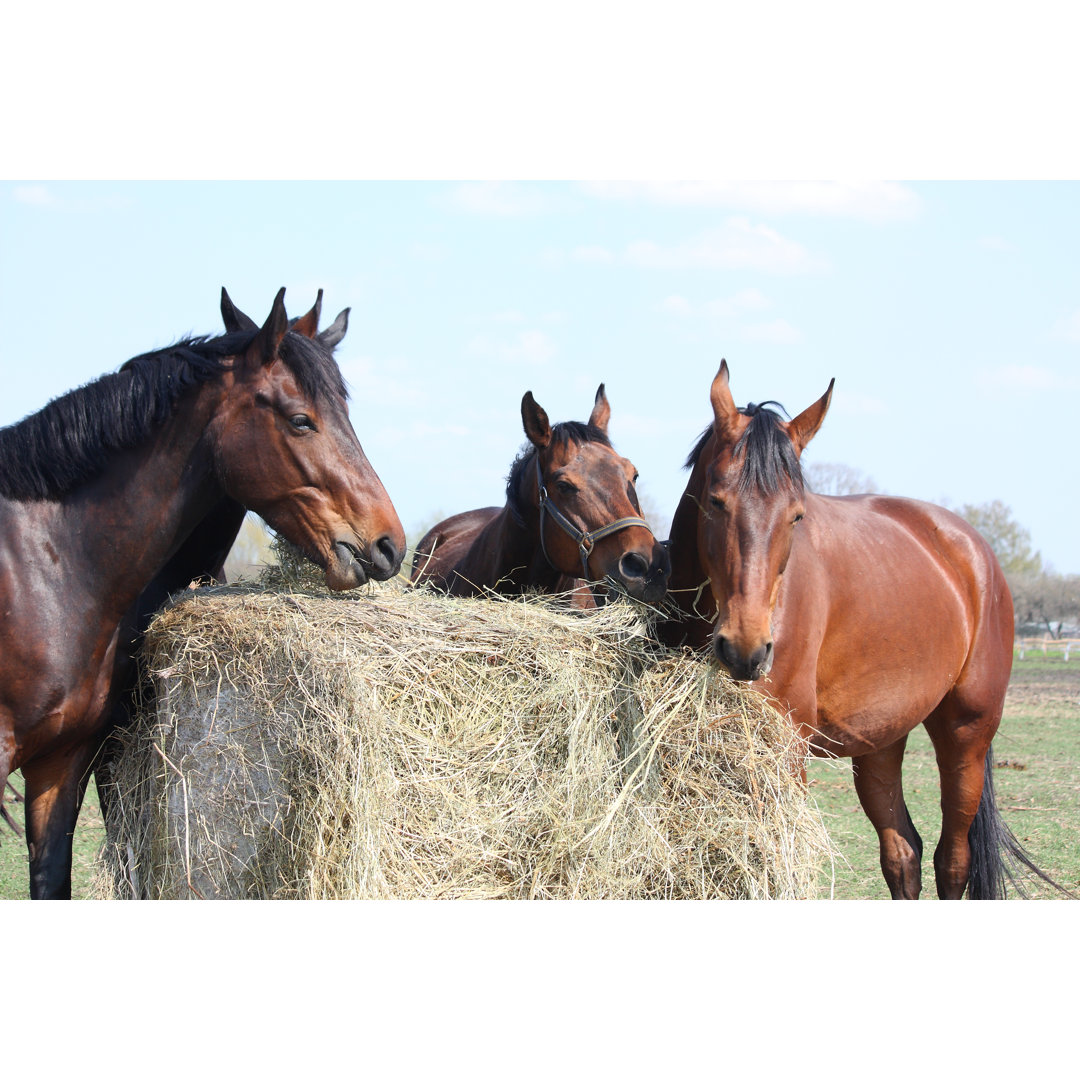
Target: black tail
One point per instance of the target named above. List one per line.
(996, 854)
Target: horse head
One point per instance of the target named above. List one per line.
(585, 489)
(286, 449)
(750, 496)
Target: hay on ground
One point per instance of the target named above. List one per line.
(402, 744)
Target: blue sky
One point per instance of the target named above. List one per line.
(948, 312)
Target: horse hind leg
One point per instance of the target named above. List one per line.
(969, 849)
(880, 790)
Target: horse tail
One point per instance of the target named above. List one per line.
(996, 854)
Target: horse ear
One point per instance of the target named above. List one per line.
(805, 426)
(535, 421)
(308, 324)
(332, 335)
(725, 411)
(264, 349)
(233, 317)
(601, 413)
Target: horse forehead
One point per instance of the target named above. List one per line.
(592, 458)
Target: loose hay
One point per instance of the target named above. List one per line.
(402, 744)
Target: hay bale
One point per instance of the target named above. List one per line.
(402, 744)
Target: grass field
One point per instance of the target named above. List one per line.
(1038, 786)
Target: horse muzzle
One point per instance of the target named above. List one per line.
(350, 566)
(741, 665)
(643, 579)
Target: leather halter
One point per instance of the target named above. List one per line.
(584, 540)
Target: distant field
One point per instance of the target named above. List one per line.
(1037, 781)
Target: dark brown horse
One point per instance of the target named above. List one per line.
(100, 490)
(571, 513)
(201, 557)
(863, 615)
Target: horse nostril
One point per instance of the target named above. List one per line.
(633, 565)
(385, 558)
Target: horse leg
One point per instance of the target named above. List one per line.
(54, 791)
(961, 749)
(878, 784)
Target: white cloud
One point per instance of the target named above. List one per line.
(592, 254)
(529, 346)
(1020, 378)
(721, 308)
(500, 199)
(874, 201)
(736, 245)
(777, 332)
(1067, 329)
(34, 195)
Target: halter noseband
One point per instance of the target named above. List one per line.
(584, 540)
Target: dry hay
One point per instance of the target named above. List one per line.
(401, 744)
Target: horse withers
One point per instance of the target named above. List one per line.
(571, 515)
(100, 489)
(863, 616)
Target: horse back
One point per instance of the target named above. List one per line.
(446, 547)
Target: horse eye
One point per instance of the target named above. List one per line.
(716, 501)
(565, 487)
(636, 477)
(798, 518)
(302, 422)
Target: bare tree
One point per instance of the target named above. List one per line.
(831, 478)
(1010, 541)
(1046, 600)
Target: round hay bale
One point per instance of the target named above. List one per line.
(402, 744)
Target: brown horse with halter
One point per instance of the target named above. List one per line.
(571, 513)
(98, 492)
(863, 616)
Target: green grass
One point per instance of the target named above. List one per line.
(1037, 782)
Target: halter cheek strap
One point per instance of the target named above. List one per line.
(584, 540)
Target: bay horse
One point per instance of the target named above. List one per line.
(100, 489)
(861, 616)
(571, 513)
(200, 558)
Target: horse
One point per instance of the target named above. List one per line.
(861, 617)
(571, 513)
(200, 559)
(100, 489)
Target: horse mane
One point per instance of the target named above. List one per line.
(561, 434)
(769, 458)
(71, 440)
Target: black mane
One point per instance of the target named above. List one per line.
(769, 458)
(561, 434)
(72, 439)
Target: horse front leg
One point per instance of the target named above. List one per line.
(55, 786)
(878, 784)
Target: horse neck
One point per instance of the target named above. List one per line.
(687, 585)
(129, 522)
